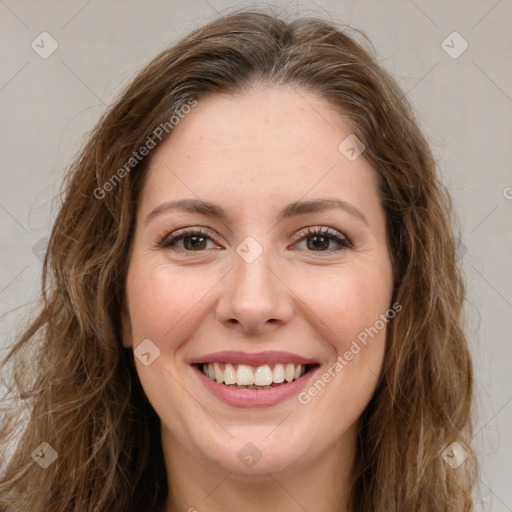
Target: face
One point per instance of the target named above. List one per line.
(259, 258)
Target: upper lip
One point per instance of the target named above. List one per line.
(255, 359)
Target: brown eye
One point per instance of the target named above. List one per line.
(188, 240)
(322, 239)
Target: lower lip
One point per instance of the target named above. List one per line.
(254, 397)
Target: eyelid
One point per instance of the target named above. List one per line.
(322, 230)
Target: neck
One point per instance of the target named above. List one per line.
(201, 486)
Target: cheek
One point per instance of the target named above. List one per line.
(353, 306)
(163, 302)
(348, 302)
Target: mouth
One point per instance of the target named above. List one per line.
(254, 380)
(243, 376)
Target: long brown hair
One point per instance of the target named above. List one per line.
(74, 387)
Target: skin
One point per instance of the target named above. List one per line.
(253, 154)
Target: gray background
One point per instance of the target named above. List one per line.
(464, 104)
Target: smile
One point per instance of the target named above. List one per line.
(241, 379)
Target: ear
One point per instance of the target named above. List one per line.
(126, 328)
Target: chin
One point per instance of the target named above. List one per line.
(253, 452)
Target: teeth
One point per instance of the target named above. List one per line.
(289, 372)
(244, 375)
(219, 376)
(229, 374)
(263, 376)
(249, 377)
(278, 374)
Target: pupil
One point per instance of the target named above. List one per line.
(319, 242)
(195, 242)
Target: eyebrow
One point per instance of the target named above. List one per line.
(291, 210)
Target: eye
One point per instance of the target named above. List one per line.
(189, 239)
(316, 239)
(322, 239)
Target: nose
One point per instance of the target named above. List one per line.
(254, 299)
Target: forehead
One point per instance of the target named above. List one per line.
(269, 145)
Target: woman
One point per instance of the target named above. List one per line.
(250, 296)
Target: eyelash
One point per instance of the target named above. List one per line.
(168, 242)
